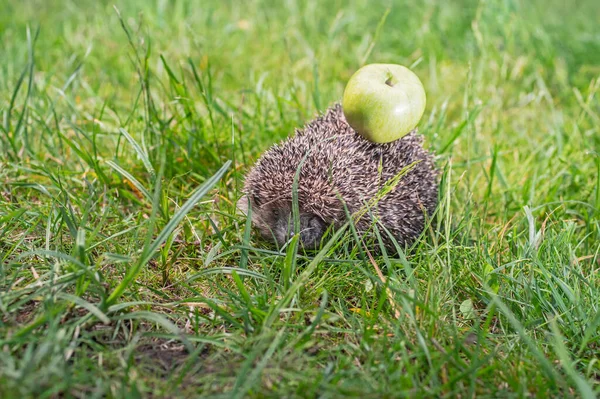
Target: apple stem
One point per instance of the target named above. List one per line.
(389, 82)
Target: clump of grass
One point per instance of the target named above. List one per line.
(125, 270)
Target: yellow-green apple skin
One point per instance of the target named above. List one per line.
(384, 102)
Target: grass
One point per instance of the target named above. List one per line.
(125, 134)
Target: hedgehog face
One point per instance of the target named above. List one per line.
(275, 223)
(312, 229)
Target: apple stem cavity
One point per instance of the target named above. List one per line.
(391, 79)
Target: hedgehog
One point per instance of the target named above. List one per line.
(342, 173)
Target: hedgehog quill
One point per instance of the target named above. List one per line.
(341, 168)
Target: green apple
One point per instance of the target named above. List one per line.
(383, 102)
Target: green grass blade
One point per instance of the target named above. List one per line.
(585, 390)
(226, 270)
(140, 152)
(86, 305)
(132, 179)
(150, 250)
(160, 320)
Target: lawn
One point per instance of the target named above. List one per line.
(126, 129)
